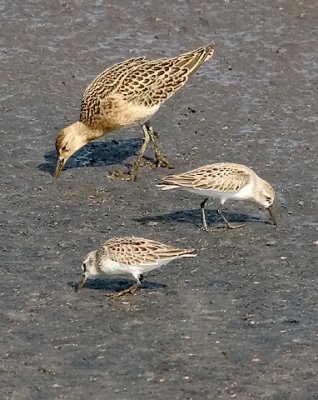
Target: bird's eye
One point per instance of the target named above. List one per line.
(64, 148)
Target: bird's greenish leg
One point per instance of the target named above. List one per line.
(161, 159)
(226, 222)
(131, 290)
(204, 224)
(133, 173)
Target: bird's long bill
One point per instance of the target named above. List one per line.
(80, 284)
(271, 213)
(59, 167)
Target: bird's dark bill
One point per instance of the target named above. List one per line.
(80, 284)
(59, 168)
(273, 216)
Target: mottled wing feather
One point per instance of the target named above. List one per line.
(106, 82)
(140, 82)
(158, 80)
(218, 177)
(193, 59)
(139, 251)
(103, 86)
(151, 86)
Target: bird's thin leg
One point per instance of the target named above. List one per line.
(161, 159)
(226, 222)
(204, 224)
(137, 162)
(131, 290)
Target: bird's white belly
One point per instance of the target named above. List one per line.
(242, 194)
(245, 193)
(110, 267)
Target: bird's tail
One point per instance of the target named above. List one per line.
(164, 186)
(189, 253)
(171, 253)
(193, 59)
(174, 181)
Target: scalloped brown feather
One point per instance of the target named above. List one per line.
(139, 251)
(133, 90)
(223, 177)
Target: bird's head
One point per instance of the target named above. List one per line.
(266, 197)
(89, 268)
(69, 140)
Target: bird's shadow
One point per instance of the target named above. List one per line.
(195, 217)
(95, 154)
(115, 285)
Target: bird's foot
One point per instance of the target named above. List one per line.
(162, 161)
(119, 174)
(131, 290)
(230, 226)
(148, 163)
(217, 229)
(221, 228)
(142, 163)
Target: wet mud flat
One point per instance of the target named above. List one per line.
(240, 320)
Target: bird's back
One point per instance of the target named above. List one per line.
(222, 177)
(140, 84)
(140, 251)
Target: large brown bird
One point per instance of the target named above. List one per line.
(127, 93)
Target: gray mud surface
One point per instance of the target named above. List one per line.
(239, 321)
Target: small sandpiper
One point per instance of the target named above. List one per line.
(129, 255)
(226, 181)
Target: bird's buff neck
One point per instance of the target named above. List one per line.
(88, 132)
